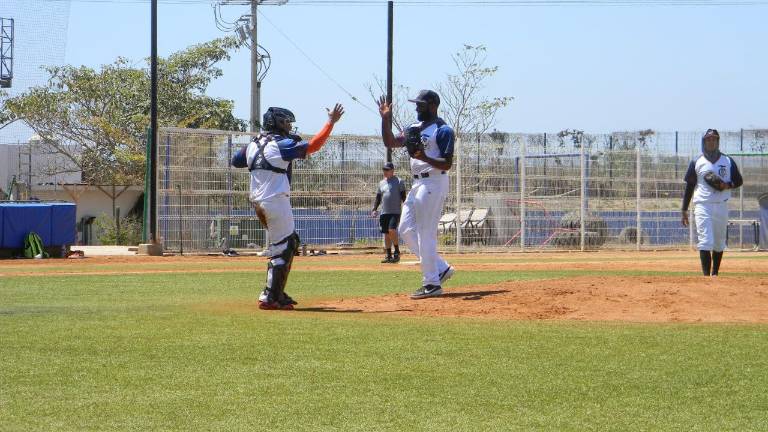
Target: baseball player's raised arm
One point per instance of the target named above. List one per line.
(390, 140)
(317, 141)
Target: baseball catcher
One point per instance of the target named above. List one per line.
(269, 157)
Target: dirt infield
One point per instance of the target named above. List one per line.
(590, 298)
(738, 297)
(667, 289)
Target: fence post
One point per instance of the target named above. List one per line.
(458, 193)
(676, 151)
(638, 192)
(582, 195)
(741, 190)
(522, 194)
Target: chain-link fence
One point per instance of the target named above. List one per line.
(568, 190)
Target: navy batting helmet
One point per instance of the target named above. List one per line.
(274, 116)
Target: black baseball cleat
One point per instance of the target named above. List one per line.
(386, 260)
(427, 291)
(395, 258)
(288, 300)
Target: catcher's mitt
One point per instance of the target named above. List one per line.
(413, 141)
(713, 180)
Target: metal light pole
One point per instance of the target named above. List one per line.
(153, 130)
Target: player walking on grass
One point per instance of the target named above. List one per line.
(430, 146)
(390, 193)
(709, 180)
(269, 157)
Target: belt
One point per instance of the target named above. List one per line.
(425, 175)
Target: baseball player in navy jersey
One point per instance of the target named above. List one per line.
(424, 203)
(709, 180)
(269, 157)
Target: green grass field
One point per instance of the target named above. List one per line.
(189, 351)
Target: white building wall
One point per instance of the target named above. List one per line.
(92, 202)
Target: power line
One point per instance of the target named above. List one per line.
(466, 3)
(316, 65)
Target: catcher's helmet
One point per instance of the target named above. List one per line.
(274, 116)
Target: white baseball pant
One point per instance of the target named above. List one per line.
(418, 224)
(280, 223)
(711, 225)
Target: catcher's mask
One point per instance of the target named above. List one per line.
(278, 120)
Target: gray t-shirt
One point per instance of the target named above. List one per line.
(390, 190)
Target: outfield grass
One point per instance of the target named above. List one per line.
(159, 352)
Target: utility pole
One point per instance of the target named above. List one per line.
(390, 51)
(246, 27)
(255, 122)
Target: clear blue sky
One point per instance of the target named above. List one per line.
(597, 68)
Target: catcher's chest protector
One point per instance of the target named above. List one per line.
(260, 161)
(705, 193)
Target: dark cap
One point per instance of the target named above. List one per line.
(426, 96)
(711, 133)
(388, 166)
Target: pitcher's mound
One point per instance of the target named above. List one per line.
(611, 298)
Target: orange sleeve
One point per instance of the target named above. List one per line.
(318, 140)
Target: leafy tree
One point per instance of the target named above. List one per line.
(98, 118)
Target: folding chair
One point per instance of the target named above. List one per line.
(477, 226)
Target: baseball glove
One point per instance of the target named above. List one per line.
(413, 141)
(713, 180)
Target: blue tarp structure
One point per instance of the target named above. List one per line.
(55, 222)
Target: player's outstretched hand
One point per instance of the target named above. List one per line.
(684, 219)
(385, 109)
(335, 114)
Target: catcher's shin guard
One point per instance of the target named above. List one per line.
(279, 266)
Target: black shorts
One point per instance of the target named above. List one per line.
(388, 222)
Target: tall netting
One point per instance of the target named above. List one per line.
(566, 190)
(40, 39)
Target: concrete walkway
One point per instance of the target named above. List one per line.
(106, 250)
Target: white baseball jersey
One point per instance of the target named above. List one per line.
(270, 168)
(724, 167)
(711, 207)
(438, 139)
